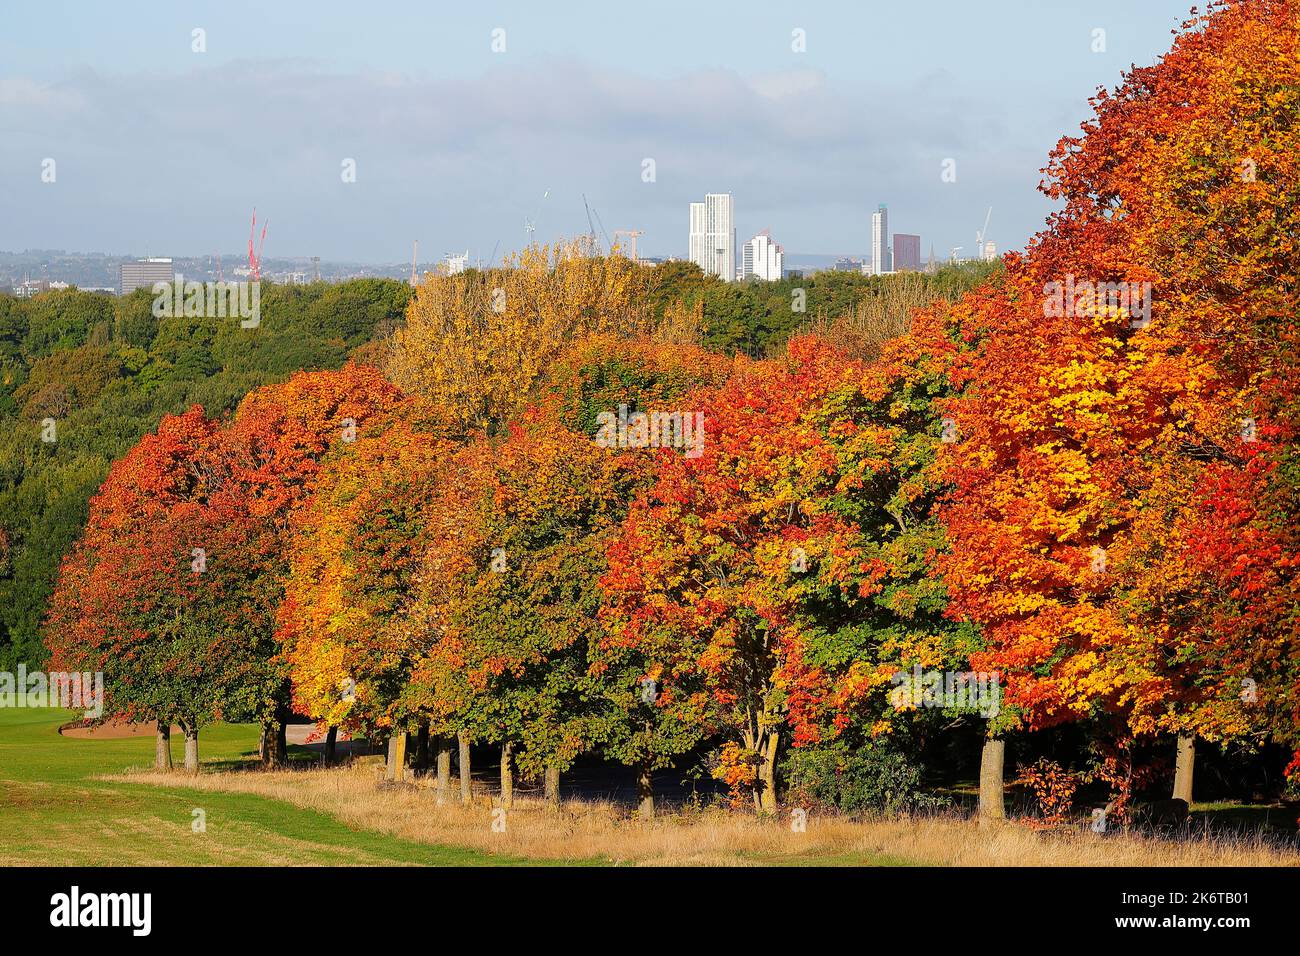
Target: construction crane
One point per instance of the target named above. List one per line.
(952, 253)
(255, 260)
(632, 234)
(415, 252)
(592, 243)
(982, 235)
(530, 225)
(608, 244)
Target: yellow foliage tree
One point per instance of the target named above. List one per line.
(476, 344)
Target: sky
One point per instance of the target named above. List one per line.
(161, 149)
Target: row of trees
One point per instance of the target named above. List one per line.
(1092, 496)
(104, 370)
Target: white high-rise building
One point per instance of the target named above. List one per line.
(713, 236)
(880, 258)
(762, 258)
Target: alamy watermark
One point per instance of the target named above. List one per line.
(209, 300)
(1082, 298)
(75, 691)
(74, 908)
(630, 429)
(948, 690)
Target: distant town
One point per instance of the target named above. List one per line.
(711, 244)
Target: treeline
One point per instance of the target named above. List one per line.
(453, 549)
(106, 371)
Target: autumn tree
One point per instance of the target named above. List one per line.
(1102, 389)
(173, 589)
(1207, 189)
(352, 553)
(779, 579)
(516, 547)
(136, 598)
(476, 344)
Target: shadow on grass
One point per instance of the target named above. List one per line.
(1245, 818)
(301, 757)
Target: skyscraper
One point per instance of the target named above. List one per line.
(713, 236)
(761, 258)
(880, 241)
(907, 252)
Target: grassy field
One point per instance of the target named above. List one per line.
(54, 812)
(68, 801)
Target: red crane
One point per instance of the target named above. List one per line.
(255, 260)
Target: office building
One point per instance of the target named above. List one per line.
(713, 236)
(880, 259)
(761, 258)
(142, 274)
(907, 252)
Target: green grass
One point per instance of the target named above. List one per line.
(52, 811)
(56, 810)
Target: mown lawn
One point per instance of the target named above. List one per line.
(55, 811)
(73, 801)
(52, 811)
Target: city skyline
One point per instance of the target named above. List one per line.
(355, 148)
(234, 261)
(712, 241)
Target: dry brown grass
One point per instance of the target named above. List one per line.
(875, 319)
(593, 831)
(884, 311)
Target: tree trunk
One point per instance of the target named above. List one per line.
(507, 776)
(767, 774)
(1183, 769)
(266, 743)
(992, 788)
(553, 789)
(162, 749)
(191, 748)
(645, 791)
(277, 734)
(396, 769)
(444, 768)
(331, 745)
(464, 769)
(422, 748)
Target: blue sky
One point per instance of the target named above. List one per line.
(161, 150)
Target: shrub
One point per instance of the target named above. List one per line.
(869, 779)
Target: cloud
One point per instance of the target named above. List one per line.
(22, 94)
(172, 160)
